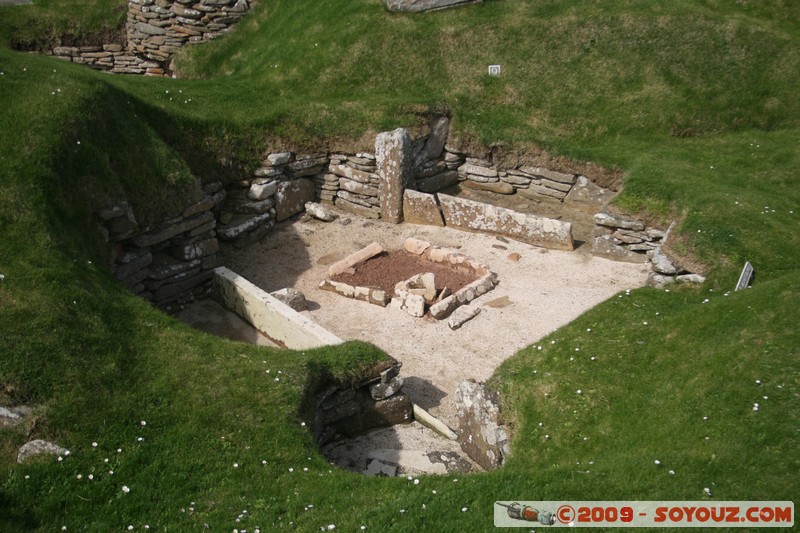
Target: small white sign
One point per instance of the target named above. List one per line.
(494, 70)
(746, 277)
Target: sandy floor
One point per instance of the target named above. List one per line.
(546, 289)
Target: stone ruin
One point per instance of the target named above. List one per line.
(411, 176)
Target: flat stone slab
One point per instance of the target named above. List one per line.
(486, 218)
(426, 5)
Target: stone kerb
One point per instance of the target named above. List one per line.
(267, 314)
(458, 261)
(350, 410)
(348, 264)
(476, 216)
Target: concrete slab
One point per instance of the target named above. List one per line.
(268, 314)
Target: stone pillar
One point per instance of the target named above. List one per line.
(393, 159)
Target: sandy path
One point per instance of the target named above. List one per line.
(547, 289)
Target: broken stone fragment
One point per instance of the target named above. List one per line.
(462, 315)
(663, 264)
(659, 281)
(292, 297)
(381, 391)
(262, 191)
(416, 246)
(691, 278)
(320, 212)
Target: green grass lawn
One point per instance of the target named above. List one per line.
(694, 101)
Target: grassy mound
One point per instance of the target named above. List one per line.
(694, 100)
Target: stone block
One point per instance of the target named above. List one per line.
(357, 188)
(664, 264)
(39, 447)
(320, 212)
(618, 221)
(278, 159)
(535, 189)
(149, 29)
(413, 304)
(552, 175)
(292, 297)
(291, 197)
(471, 170)
(242, 225)
(604, 246)
(588, 197)
(262, 191)
(192, 251)
(421, 208)
(476, 216)
(171, 230)
(381, 391)
(353, 259)
(388, 412)
(498, 187)
(435, 142)
(345, 171)
(356, 209)
(438, 182)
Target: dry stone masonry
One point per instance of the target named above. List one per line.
(374, 402)
(171, 263)
(155, 30)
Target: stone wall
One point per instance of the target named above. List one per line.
(169, 264)
(374, 402)
(155, 30)
(624, 238)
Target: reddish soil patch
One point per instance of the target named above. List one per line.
(384, 271)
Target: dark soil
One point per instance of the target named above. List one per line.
(384, 271)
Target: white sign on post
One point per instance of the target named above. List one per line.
(746, 277)
(494, 70)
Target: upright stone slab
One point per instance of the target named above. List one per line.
(482, 432)
(393, 160)
(421, 208)
(486, 218)
(291, 197)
